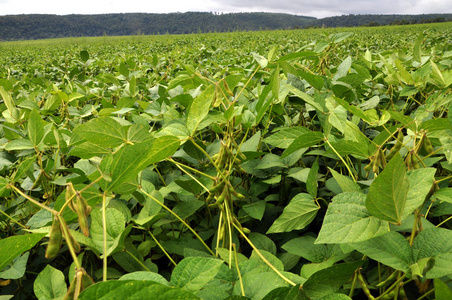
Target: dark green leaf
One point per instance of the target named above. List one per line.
(16, 245)
(347, 220)
(299, 213)
(388, 193)
(329, 280)
(133, 289)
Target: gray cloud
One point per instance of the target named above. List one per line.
(322, 8)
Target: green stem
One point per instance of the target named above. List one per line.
(163, 249)
(11, 218)
(426, 294)
(263, 258)
(190, 168)
(238, 271)
(393, 286)
(104, 225)
(33, 200)
(179, 218)
(137, 260)
(352, 290)
(343, 161)
(66, 233)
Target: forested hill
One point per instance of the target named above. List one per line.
(24, 27)
(29, 27)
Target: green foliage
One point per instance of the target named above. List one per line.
(224, 167)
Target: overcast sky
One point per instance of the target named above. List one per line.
(314, 8)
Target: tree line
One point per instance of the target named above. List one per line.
(40, 26)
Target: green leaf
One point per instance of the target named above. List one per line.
(255, 210)
(285, 293)
(346, 184)
(347, 220)
(144, 275)
(125, 164)
(442, 291)
(19, 144)
(50, 284)
(35, 128)
(336, 297)
(4, 187)
(305, 247)
(329, 280)
(84, 55)
(303, 141)
(115, 226)
(417, 51)
(388, 193)
(17, 268)
(391, 249)
(199, 109)
(133, 289)
(285, 136)
(311, 182)
(420, 182)
(193, 273)
(258, 284)
(14, 246)
(306, 98)
(338, 118)
(105, 132)
(299, 213)
(435, 243)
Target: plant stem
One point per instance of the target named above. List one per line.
(33, 200)
(163, 249)
(179, 218)
(238, 270)
(137, 260)
(343, 161)
(104, 233)
(263, 258)
(66, 233)
(190, 168)
(11, 218)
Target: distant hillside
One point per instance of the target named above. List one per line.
(30, 27)
(25, 27)
(376, 20)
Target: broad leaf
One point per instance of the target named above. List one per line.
(442, 291)
(305, 247)
(391, 249)
(14, 246)
(145, 275)
(303, 141)
(193, 273)
(286, 293)
(329, 280)
(17, 268)
(115, 226)
(345, 183)
(258, 284)
(35, 128)
(104, 132)
(311, 182)
(125, 164)
(199, 109)
(388, 193)
(299, 213)
(134, 289)
(50, 284)
(420, 182)
(347, 220)
(435, 243)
